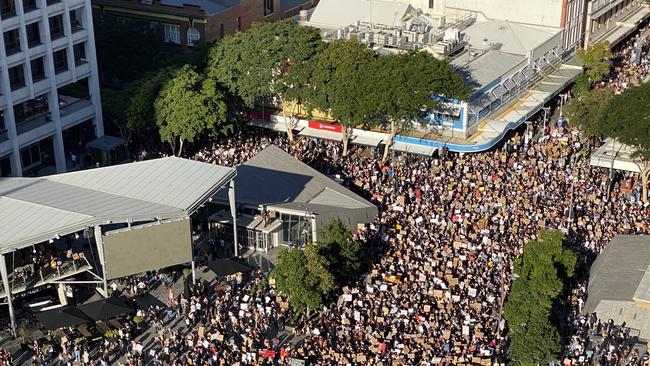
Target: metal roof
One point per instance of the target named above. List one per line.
(335, 14)
(33, 210)
(486, 68)
(276, 179)
(618, 271)
(515, 38)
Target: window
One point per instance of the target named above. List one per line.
(193, 36)
(60, 61)
(238, 24)
(29, 5)
(38, 69)
(7, 8)
(17, 77)
(430, 4)
(5, 166)
(56, 26)
(268, 7)
(33, 34)
(79, 54)
(75, 20)
(31, 109)
(172, 33)
(12, 42)
(30, 156)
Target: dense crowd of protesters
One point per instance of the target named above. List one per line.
(441, 251)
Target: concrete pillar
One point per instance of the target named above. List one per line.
(233, 213)
(102, 259)
(5, 283)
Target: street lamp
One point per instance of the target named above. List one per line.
(546, 111)
(562, 96)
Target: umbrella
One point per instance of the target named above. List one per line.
(227, 266)
(105, 308)
(62, 317)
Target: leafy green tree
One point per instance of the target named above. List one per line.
(303, 276)
(586, 109)
(140, 112)
(626, 118)
(339, 84)
(187, 106)
(344, 254)
(596, 60)
(403, 87)
(581, 85)
(542, 272)
(252, 64)
(114, 103)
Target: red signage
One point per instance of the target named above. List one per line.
(325, 126)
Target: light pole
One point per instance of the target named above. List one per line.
(562, 96)
(546, 111)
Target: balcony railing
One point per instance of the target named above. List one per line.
(74, 105)
(33, 122)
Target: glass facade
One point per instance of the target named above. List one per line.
(296, 230)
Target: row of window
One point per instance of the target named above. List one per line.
(8, 7)
(33, 32)
(172, 33)
(60, 59)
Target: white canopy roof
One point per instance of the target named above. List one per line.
(616, 155)
(33, 210)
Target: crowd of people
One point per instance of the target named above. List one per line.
(441, 251)
(629, 69)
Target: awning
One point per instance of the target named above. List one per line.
(227, 267)
(105, 143)
(367, 140)
(271, 125)
(614, 155)
(414, 149)
(61, 318)
(105, 308)
(321, 134)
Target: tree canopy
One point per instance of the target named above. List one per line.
(343, 254)
(250, 64)
(587, 108)
(402, 88)
(188, 105)
(542, 272)
(596, 59)
(303, 276)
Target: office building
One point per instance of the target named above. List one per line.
(49, 91)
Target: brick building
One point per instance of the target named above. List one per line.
(185, 22)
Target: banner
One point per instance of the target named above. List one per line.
(325, 126)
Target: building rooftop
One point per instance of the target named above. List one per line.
(487, 68)
(335, 14)
(33, 210)
(274, 178)
(211, 7)
(620, 273)
(514, 38)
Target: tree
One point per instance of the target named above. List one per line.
(343, 254)
(113, 108)
(626, 118)
(252, 64)
(586, 109)
(542, 271)
(303, 276)
(189, 105)
(403, 88)
(140, 112)
(581, 85)
(338, 83)
(596, 60)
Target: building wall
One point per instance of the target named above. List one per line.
(603, 15)
(51, 119)
(573, 22)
